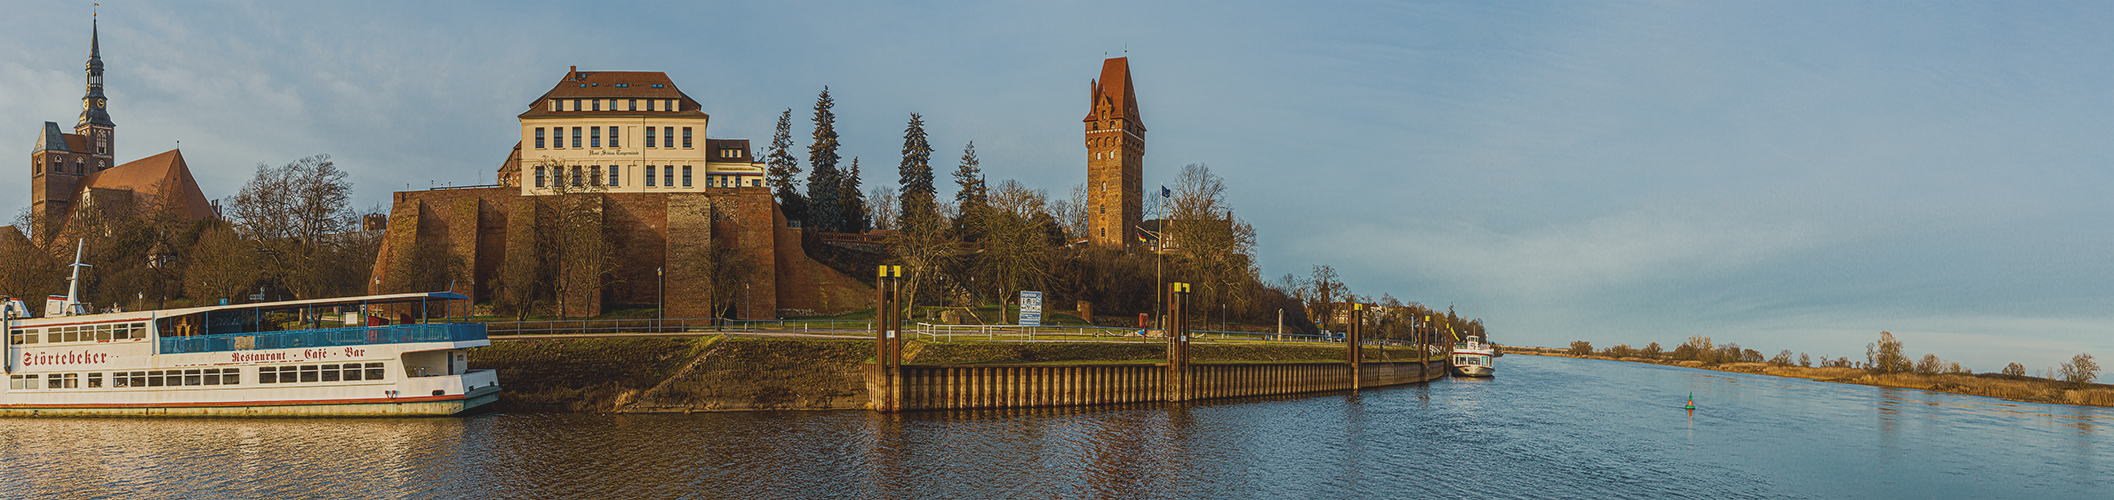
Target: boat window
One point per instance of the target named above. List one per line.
(95, 381)
(230, 376)
(22, 381)
(352, 371)
(309, 373)
(268, 375)
(139, 379)
(25, 336)
(330, 373)
(62, 381)
(154, 379)
(374, 371)
(102, 332)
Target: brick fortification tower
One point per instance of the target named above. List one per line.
(1115, 160)
(60, 160)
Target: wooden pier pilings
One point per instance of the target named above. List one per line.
(961, 387)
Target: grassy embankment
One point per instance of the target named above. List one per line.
(719, 373)
(2012, 387)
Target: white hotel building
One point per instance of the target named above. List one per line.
(627, 132)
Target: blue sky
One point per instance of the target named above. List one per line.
(1785, 175)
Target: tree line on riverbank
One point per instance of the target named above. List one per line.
(1886, 363)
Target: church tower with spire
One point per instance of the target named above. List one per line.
(59, 160)
(1115, 158)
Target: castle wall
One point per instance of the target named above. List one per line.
(646, 231)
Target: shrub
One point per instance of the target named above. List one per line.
(1930, 365)
(1782, 358)
(2015, 370)
(1955, 369)
(1699, 348)
(1620, 351)
(1652, 350)
(2080, 370)
(1581, 348)
(1807, 361)
(1886, 356)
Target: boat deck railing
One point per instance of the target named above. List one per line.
(325, 337)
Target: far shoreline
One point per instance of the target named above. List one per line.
(1988, 385)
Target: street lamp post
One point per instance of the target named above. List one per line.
(745, 301)
(660, 297)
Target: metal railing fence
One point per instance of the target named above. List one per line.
(324, 337)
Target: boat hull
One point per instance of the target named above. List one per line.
(428, 406)
(1474, 371)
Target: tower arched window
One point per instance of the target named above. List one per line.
(79, 167)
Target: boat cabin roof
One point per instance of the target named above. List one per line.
(363, 300)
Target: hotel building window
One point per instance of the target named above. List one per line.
(686, 176)
(634, 105)
(555, 106)
(576, 137)
(668, 141)
(613, 171)
(539, 176)
(671, 106)
(576, 104)
(649, 134)
(594, 175)
(576, 176)
(668, 176)
(613, 137)
(539, 137)
(595, 137)
(686, 137)
(596, 104)
(649, 176)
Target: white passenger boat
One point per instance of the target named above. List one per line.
(1472, 358)
(328, 357)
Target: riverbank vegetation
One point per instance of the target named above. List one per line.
(1887, 364)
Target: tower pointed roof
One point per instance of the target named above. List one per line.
(95, 41)
(92, 103)
(1114, 88)
(51, 139)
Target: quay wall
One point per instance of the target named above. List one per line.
(716, 373)
(963, 387)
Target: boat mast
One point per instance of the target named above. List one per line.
(73, 284)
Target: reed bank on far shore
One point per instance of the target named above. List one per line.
(1995, 385)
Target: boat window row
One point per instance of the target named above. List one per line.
(81, 333)
(319, 373)
(199, 377)
(153, 378)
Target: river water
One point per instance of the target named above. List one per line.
(1544, 428)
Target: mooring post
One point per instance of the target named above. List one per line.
(888, 352)
(1354, 336)
(1177, 323)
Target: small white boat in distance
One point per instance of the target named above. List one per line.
(1472, 358)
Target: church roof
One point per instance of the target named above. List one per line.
(146, 177)
(613, 85)
(52, 138)
(1114, 87)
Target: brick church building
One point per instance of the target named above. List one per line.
(70, 173)
(633, 147)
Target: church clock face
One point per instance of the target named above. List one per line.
(98, 103)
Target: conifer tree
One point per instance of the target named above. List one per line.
(916, 171)
(784, 169)
(970, 177)
(852, 202)
(971, 197)
(823, 179)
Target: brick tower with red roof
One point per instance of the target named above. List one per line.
(1115, 158)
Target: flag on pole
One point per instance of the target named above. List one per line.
(1164, 193)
